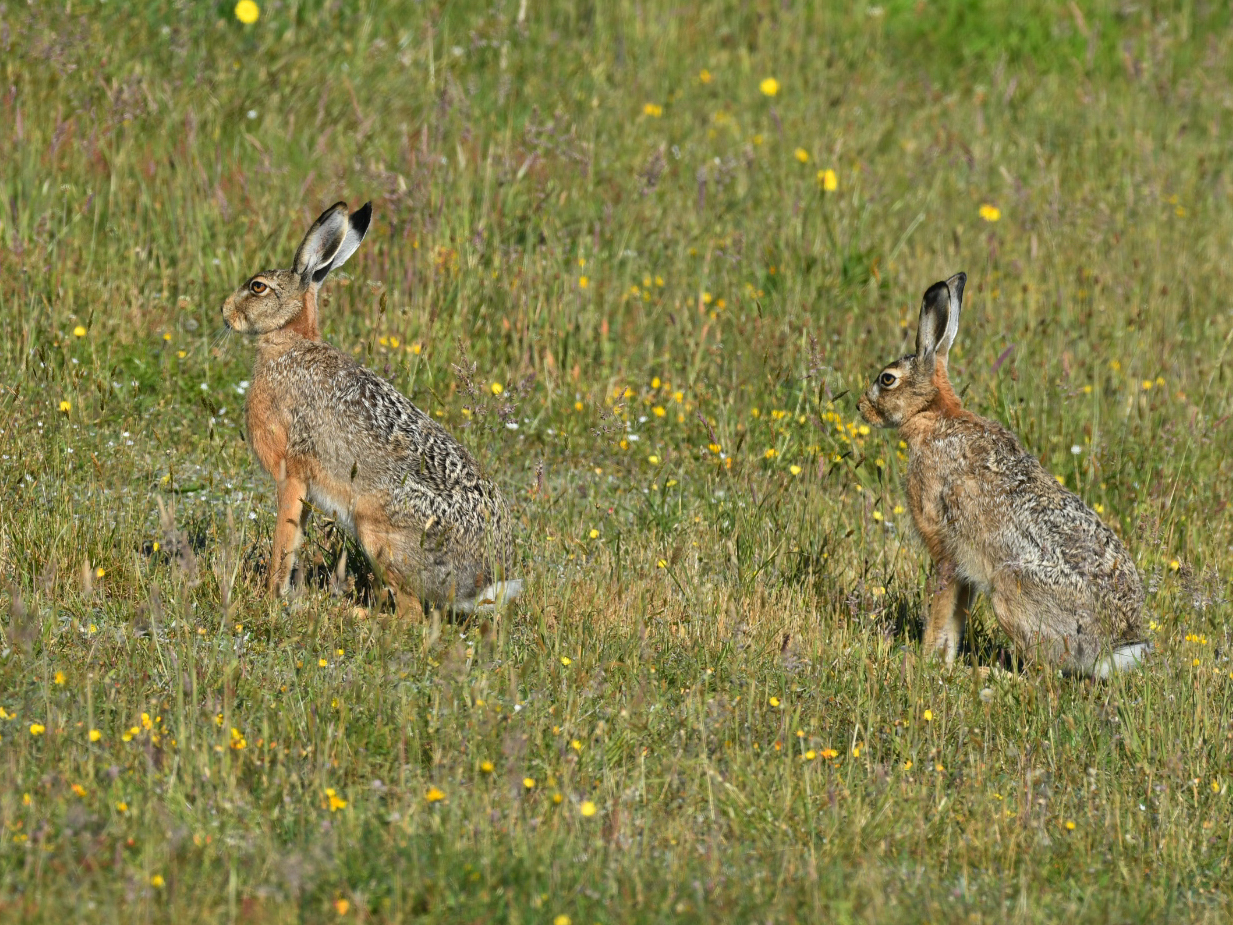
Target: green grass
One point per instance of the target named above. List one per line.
(736, 611)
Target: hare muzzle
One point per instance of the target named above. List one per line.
(233, 317)
(869, 412)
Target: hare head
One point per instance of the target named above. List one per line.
(275, 299)
(918, 381)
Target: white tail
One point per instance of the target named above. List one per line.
(1123, 658)
(494, 597)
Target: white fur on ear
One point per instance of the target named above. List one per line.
(954, 289)
(357, 227)
(322, 240)
(333, 237)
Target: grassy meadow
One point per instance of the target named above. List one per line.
(641, 258)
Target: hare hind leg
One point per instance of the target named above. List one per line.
(393, 560)
(948, 615)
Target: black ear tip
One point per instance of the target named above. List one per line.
(361, 217)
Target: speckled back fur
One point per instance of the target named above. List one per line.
(1061, 583)
(339, 438)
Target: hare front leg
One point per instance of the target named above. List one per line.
(948, 614)
(288, 532)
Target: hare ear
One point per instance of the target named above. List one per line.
(939, 317)
(330, 241)
(954, 289)
(357, 227)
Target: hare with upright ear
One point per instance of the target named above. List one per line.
(1061, 583)
(338, 437)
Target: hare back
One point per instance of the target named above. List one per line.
(984, 504)
(367, 442)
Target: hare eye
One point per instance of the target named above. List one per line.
(886, 380)
(256, 287)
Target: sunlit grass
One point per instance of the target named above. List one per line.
(642, 262)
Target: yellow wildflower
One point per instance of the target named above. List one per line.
(247, 12)
(587, 808)
(828, 180)
(769, 86)
(434, 795)
(990, 213)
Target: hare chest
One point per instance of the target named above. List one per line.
(944, 518)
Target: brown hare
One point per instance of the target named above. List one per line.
(1061, 583)
(339, 438)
